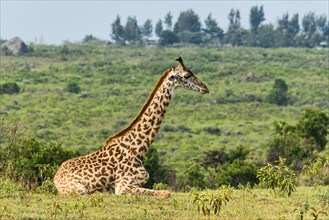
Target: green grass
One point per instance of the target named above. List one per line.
(120, 80)
(244, 204)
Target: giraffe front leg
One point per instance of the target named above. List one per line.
(124, 186)
(143, 191)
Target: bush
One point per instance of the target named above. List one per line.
(239, 172)
(300, 143)
(26, 160)
(73, 87)
(278, 177)
(9, 88)
(158, 173)
(278, 94)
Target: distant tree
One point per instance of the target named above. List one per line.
(235, 34)
(234, 19)
(256, 17)
(266, 36)
(191, 37)
(168, 20)
(287, 31)
(168, 37)
(323, 25)
(212, 30)
(118, 32)
(309, 23)
(147, 29)
(88, 38)
(309, 35)
(188, 21)
(132, 31)
(158, 28)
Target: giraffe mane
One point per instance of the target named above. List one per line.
(145, 106)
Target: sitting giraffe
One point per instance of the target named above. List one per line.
(117, 166)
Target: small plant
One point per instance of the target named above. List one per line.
(317, 172)
(211, 202)
(160, 186)
(279, 178)
(302, 211)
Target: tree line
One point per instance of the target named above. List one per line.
(290, 31)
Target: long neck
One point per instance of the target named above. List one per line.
(140, 134)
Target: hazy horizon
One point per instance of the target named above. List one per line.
(53, 22)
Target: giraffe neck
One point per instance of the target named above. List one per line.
(140, 134)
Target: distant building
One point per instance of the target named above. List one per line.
(324, 44)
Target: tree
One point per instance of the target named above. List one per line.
(168, 20)
(234, 19)
(132, 31)
(256, 17)
(158, 28)
(212, 30)
(118, 32)
(88, 38)
(168, 37)
(309, 30)
(147, 29)
(235, 34)
(266, 36)
(287, 31)
(188, 21)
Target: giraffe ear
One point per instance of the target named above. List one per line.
(180, 60)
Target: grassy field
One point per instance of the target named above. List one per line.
(244, 204)
(117, 81)
(114, 84)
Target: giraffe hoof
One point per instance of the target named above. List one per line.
(162, 194)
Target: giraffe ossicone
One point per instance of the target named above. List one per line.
(117, 166)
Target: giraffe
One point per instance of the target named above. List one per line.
(117, 166)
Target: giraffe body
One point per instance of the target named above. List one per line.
(117, 166)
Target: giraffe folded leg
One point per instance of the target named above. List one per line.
(143, 191)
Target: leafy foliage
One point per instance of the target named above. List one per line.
(278, 94)
(299, 143)
(212, 203)
(279, 178)
(9, 88)
(73, 87)
(27, 160)
(317, 172)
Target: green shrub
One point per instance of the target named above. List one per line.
(157, 172)
(239, 172)
(26, 160)
(73, 87)
(300, 143)
(278, 94)
(211, 203)
(279, 178)
(317, 172)
(9, 88)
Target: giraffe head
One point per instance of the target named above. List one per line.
(180, 76)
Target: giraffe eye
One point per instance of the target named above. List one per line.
(187, 76)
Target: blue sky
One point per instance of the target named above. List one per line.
(56, 21)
